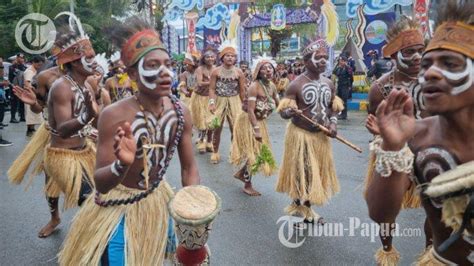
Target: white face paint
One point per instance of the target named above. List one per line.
(401, 58)
(87, 65)
(317, 62)
(454, 77)
(143, 73)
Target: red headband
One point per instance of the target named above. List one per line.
(140, 44)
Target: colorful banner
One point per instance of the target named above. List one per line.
(191, 19)
(375, 31)
(373, 7)
(420, 12)
(278, 17)
(212, 38)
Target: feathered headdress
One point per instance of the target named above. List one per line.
(102, 65)
(227, 47)
(259, 62)
(72, 40)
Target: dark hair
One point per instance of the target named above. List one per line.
(243, 62)
(119, 33)
(37, 59)
(405, 23)
(452, 10)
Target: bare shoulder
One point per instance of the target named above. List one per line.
(61, 88)
(114, 113)
(328, 81)
(215, 71)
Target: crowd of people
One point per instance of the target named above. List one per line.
(110, 128)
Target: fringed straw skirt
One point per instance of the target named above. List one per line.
(31, 157)
(245, 148)
(200, 111)
(134, 234)
(307, 172)
(67, 170)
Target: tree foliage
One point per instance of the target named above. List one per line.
(94, 15)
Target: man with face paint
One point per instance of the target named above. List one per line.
(188, 80)
(127, 222)
(226, 94)
(32, 156)
(119, 85)
(405, 45)
(200, 100)
(69, 158)
(250, 131)
(312, 178)
(432, 146)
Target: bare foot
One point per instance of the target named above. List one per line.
(249, 190)
(48, 229)
(202, 151)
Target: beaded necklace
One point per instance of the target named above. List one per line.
(179, 132)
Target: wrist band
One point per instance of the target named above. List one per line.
(252, 99)
(388, 161)
(212, 101)
(333, 119)
(117, 168)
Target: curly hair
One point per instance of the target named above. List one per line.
(405, 23)
(456, 10)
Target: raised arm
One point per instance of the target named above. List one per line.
(394, 159)
(62, 97)
(116, 149)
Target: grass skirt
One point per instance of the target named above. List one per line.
(228, 107)
(185, 100)
(411, 198)
(429, 258)
(245, 148)
(307, 171)
(146, 228)
(67, 168)
(200, 111)
(31, 157)
(387, 258)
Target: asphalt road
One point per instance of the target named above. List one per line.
(246, 231)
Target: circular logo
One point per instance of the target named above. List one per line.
(375, 32)
(35, 33)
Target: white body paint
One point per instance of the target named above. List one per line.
(401, 58)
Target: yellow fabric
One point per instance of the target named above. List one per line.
(245, 148)
(185, 100)
(66, 169)
(307, 171)
(146, 225)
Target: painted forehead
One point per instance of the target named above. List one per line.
(319, 45)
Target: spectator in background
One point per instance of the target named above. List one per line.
(378, 66)
(3, 94)
(15, 77)
(32, 118)
(344, 82)
(244, 66)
